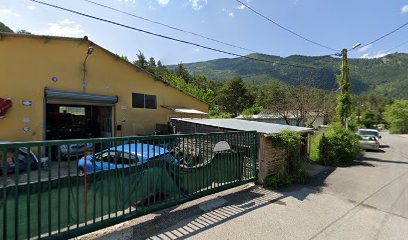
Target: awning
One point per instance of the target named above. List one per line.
(56, 96)
(185, 110)
(5, 104)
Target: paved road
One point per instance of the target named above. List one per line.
(368, 200)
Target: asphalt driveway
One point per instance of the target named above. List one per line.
(368, 200)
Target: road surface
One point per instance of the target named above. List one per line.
(368, 200)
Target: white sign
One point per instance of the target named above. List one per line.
(124, 107)
(27, 103)
(26, 129)
(26, 119)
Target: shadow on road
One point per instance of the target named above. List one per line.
(183, 223)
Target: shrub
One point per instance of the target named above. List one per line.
(338, 146)
(396, 116)
(293, 171)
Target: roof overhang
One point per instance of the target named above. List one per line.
(185, 110)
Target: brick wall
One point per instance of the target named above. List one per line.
(271, 159)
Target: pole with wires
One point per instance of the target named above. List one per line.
(344, 97)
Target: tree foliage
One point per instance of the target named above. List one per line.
(386, 76)
(396, 116)
(338, 146)
(296, 105)
(141, 61)
(234, 97)
(4, 28)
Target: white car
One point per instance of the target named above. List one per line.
(369, 142)
(369, 132)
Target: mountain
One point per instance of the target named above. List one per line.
(387, 76)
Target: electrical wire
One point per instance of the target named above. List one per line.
(171, 38)
(168, 26)
(385, 35)
(400, 45)
(285, 28)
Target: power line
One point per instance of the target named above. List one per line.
(168, 26)
(385, 35)
(171, 38)
(285, 28)
(400, 45)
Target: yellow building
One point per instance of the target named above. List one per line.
(59, 85)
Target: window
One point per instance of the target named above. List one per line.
(150, 101)
(79, 111)
(140, 100)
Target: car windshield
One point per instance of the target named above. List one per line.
(116, 157)
(370, 133)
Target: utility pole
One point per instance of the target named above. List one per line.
(344, 97)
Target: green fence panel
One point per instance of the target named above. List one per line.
(72, 204)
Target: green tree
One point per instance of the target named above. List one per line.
(141, 61)
(151, 65)
(182, 72)
(22, 31)
(369, 118)
(396, 116)
(4, 28)
(161, 70)
(234, 97)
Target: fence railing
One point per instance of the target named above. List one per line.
(62, 189)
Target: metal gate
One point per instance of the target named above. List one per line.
(123, 178)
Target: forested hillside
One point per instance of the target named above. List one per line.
(387, 76)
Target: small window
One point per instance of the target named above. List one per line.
(137, 100)
(140, 100)
(150, 101)
(79, 111)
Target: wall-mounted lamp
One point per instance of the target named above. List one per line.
(88, 53)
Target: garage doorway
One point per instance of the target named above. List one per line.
(73, 115)
(68, 121)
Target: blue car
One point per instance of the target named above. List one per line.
(123, 156)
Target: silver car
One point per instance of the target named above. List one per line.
(368, 142)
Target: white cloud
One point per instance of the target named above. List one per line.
(31, 7)
(8, 12)
(379, 54)
(66, 21)
(196, 49)
(365, 48)
(241, 7)
(66, 28)
(126, 1)
(404, 9)
(197, 4)
(163, 2)
(231, 14)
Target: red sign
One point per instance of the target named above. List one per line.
(5, 104)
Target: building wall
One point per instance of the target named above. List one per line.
(28, 64)
(271, 160)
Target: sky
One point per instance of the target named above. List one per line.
(337, 24)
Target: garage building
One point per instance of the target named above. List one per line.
(65, 88)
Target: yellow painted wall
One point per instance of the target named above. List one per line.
(27, 65)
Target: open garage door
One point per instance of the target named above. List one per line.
(72, 115)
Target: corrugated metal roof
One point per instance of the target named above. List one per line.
(244, 125)
(189, 111)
